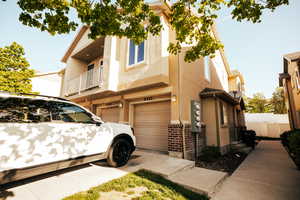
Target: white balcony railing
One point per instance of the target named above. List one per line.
(87, 80)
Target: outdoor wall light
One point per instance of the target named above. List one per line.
(120, 105)
(173, 98)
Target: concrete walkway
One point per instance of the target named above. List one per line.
(268, 173)
(57, 185)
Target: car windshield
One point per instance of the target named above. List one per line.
(70, 113)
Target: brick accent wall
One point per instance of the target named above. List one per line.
(175, 141)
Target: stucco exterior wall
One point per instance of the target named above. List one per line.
(295, 91)
(192, 80)
(221, 72)
(83, 42)
(210, 119)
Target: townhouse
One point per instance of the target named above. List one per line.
(290, 81)
(150, 89)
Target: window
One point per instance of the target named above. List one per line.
(206, 68)
(23, 110)
(223, 114)
(69, 113)
(136, 53)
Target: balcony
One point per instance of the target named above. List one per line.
(88, 80)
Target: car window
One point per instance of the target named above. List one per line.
(69, 113)
(15, 109)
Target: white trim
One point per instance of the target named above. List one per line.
(207, 70)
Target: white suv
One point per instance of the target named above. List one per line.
(39, 134)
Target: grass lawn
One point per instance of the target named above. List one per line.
(141, 185)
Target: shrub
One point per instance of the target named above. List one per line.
(248, 137)
(294, 146)
(284, 138)
(210, 154)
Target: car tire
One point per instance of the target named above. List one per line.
(119, 153)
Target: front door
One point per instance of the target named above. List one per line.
(90, 76)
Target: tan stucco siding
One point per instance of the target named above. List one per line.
(209, 118)
(156, 61)
(192, 81)
(295, 92)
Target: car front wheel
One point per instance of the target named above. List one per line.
(119, 153)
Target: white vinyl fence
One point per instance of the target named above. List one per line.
(267, 124)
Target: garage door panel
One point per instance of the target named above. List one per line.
(110, 114)
(151, 125)
(152, 142)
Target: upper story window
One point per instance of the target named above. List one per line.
(206, 68)
(136, 53)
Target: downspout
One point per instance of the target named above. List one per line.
(217, 120)
(235, 121)
(179, 100)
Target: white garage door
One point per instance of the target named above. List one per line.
(109, 114)
(151, 125)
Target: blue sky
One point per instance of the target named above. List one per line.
(254, 49)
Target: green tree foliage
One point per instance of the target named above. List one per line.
(14, 69)
(257, 104)
(192, 20)
(277, 101)
(260, 104)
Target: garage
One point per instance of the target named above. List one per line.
(109, 114)
(151, 125)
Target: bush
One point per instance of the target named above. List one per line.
(210, 154)
(294, 146)
(284, 138)
(248, 137)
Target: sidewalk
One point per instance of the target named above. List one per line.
(56, 185)
(268, 173)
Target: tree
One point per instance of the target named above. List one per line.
(192, 20)
(14, 70)
(258, 104)
(277, 101)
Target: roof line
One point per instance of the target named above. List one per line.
(74, 43)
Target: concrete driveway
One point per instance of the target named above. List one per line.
(59, 184)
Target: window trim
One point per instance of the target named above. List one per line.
(223, 113)
(136, 64)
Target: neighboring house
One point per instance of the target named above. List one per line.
(290, 81)
(48, 83)
(150, 89)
